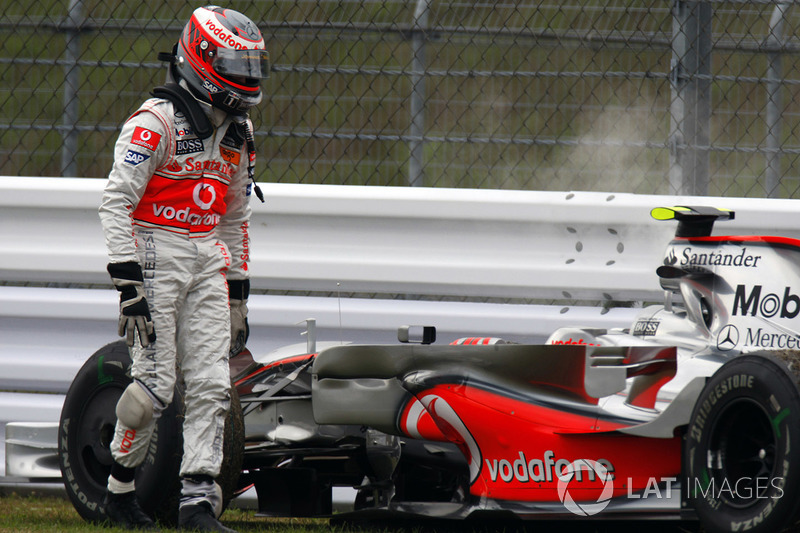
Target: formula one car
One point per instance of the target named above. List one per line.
(693, 412)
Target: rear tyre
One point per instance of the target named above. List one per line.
(87, 427)
(742, 449)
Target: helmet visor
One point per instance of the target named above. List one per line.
(244, 63)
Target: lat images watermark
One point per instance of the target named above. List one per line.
(744, 489)
(602, 475)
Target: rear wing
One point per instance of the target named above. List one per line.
(693, 221)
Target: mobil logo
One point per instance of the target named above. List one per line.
(756, 301)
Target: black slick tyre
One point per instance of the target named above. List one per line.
(86, 429)
(741, 453)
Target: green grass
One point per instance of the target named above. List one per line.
(38, 514)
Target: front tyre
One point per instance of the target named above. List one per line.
(86, 429)
(742, 450)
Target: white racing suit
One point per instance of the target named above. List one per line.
(178, 205)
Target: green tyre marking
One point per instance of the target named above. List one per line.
(102, 377)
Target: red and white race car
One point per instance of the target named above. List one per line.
(692, 412)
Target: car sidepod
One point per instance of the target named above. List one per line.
(528, 419)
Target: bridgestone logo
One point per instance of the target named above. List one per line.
(737, 381)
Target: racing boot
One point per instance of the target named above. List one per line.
(201, 504)
(200, 517)
(123, 511)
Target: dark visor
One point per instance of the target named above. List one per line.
(246, 63)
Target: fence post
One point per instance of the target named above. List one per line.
(690, 110)
(416, 176)
(774, 43)
(72, 52)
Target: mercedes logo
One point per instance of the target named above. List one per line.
(728, 338)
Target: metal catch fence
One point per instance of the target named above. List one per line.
(673, 97)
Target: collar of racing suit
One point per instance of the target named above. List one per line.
(216, 115)
(204, 118)
(201, 119)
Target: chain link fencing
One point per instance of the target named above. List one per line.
(615, 95)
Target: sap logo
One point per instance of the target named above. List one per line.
(766, 305)
(134, 158)
(210, 87)
(188, 146)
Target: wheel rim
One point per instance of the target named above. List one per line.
(741, 456)
(95, 433)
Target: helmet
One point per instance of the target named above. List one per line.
(222, 57)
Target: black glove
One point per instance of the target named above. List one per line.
(133, 310)
(238, 292)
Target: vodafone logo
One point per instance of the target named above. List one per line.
(145, 138)
(450, 424)
(569, 473)
(199, 194)
(228, 39)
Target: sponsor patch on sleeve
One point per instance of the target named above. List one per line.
(231, 156)
(134, 158)
(145, 138)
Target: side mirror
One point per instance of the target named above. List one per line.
(416, 334)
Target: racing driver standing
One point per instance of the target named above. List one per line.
(175, 215)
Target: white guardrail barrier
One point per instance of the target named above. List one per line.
(321, 239)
